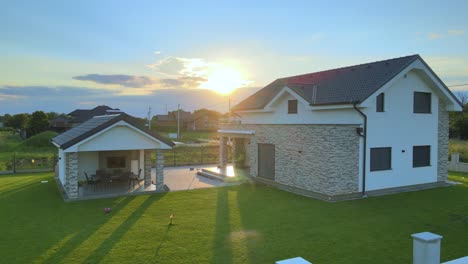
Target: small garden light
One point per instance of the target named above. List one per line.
(171, 217)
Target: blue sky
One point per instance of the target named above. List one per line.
(63, 55)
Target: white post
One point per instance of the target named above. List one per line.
(426, 248)
(455, 157)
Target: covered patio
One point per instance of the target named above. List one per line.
(242, 148)
(109, 155)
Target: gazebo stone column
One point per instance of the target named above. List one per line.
(71, 174)
(223, 148)
(159, 169)
(147, 169)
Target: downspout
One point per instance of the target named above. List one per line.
(364, 136)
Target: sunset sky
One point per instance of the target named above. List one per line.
(63, 55)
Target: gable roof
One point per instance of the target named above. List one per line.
(352, 84)
(99, 123)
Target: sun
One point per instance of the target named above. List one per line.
(224, 81)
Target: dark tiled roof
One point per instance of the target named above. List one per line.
(97, 124)
(346, 85)
(82, 115)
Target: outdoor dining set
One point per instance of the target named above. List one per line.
(104, 178)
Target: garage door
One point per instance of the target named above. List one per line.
(266, 161)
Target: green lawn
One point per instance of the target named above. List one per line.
(242, 224)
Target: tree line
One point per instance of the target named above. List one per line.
(32, 124)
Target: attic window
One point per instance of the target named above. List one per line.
(292, 106)
(380, 102)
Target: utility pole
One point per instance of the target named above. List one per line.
(149, 117)
(178, 121)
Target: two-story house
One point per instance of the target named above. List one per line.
(373, 128)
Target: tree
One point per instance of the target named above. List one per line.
(52, 115)
(38, 123)
(18, 121)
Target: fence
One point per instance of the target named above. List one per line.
(193, 155)
(456, 165)
(178, 156)
(14, 164)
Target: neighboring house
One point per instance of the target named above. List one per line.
(170, 120)
(366, 129)
(109, 142)
(81, 115)
(59, 124)
(203, 120)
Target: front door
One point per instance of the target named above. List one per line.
(266, 161)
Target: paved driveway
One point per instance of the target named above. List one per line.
(182, 178)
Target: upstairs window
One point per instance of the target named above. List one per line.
(381, 159)
(380, 103)
(421, 156)
(422, 103)
(292, 106)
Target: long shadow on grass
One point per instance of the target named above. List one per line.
(100, 252)
(18, 188)
(252, 236)
(84, 233)
(222, 245)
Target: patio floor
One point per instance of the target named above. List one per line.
(175, 178)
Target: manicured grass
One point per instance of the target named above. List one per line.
(241, 224)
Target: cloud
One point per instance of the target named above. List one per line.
(119, 79)
(456, 32)
(177, 66)
(66, 99)
(151, 83)
(157, 52)
(433, 35)
(9, 97)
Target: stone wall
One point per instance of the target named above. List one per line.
(147, 168)
(318, 158)
(71, 174)
(159, 169)
(442, 146)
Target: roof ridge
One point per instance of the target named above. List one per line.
(346, 67)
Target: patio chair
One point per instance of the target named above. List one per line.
(91, 180)
(134, 178)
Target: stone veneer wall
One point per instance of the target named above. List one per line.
(317, 158)
(442, 146)
(147, 167)
(159, 169)
(71, 174)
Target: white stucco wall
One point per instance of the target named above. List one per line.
(398, 127)
(87, 162)
(61, 166)
(119, 137)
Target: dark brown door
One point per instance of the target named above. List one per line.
(266, 161)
